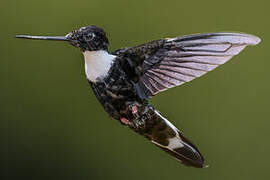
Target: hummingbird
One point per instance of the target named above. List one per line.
(124, 80)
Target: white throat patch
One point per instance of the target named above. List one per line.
(97, 64)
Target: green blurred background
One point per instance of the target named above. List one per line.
(54, 127)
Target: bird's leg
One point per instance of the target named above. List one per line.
(133, 107)
(146, 115)
(124, 121)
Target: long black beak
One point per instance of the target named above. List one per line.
(53, 38)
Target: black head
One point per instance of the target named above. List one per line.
(90, 38)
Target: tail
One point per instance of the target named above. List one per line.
(166, 136)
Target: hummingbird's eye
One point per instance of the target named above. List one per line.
(89, 36)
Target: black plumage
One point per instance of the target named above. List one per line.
(138, 73)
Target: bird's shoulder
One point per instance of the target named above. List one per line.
(140, 51)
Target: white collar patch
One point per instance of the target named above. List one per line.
(97, 64)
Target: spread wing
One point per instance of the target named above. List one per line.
(166, 63)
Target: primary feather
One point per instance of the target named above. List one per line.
(170, 62)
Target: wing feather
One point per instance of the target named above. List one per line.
(173, 61)
(214, 60)
(169, 77)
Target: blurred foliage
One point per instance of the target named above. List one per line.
(56, 129)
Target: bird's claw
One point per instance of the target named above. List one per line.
(124, 121)
(134, 110)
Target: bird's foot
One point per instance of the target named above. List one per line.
(124, 121)
(134, 110)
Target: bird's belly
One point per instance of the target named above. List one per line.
(116, 92)
(116, 96)
(121, 100)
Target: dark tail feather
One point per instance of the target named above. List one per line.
(187, 154)
(167, 137)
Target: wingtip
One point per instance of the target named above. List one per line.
(256, 40)
(249, 39)
(252, 39)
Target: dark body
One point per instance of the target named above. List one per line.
(138, 73)
(143, 71)
(120, 90)
(116, 92)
